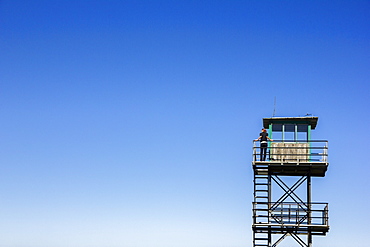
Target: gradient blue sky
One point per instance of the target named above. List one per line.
(130, 123)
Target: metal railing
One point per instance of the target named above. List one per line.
(292, 151)
(291, 213)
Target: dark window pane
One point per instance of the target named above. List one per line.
(289, 128)
(277, 127)
(302, 127)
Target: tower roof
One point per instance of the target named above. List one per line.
(297, 120)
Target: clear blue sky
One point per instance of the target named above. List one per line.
(130, 123)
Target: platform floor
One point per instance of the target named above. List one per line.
(315, 169)
(299, 229)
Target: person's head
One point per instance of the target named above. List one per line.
(263, 130)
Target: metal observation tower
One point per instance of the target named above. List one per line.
(283, 206)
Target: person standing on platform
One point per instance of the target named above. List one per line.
(263, 145)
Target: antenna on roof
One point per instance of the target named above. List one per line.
(273, 114)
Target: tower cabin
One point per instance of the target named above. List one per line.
(286, 211)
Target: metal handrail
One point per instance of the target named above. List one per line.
(291, 213)
(289, 150)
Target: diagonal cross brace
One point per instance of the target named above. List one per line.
(294, 236)
(298, 239)
(289, 192)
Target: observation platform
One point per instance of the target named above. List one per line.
(291, 158)
(299, 218)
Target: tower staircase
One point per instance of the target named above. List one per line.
(261, 238)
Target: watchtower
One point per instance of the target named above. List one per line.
(283, 205)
